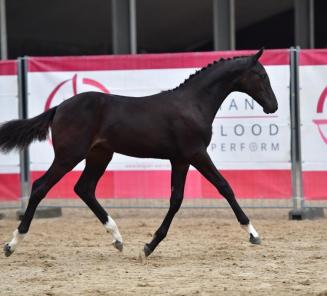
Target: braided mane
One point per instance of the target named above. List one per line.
(204, 69)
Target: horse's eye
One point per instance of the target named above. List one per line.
(263, 76)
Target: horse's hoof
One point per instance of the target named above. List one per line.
(147, 250)
(255, 240)
(8, 250)
(118, 245)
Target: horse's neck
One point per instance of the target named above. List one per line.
(213, 89)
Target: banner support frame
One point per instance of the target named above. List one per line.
(296, 159)
(24, 159)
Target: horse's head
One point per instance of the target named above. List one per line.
(255, 82)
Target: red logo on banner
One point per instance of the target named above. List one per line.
(85, 81)
(321, 123)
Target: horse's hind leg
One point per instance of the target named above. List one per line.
(96, 163)
(204, 165)
(39, 190)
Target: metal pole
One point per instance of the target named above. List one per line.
(311, 24)
(298, 127)
(297, 189)
(224, 24)
(22, 109)
(293, 125)
(232, 24)
(3, 30)
(124, 31)
(133, 28)
(304, 23)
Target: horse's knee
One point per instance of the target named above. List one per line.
(78, 189)
(36, 184)
(82, 190)
(226, 191)
(175, 203)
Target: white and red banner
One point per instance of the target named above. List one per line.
(313, 105)
(252, 149)
(9, 163)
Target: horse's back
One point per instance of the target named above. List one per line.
(132, 126)
(142, 127)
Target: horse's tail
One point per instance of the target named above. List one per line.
(22, 132)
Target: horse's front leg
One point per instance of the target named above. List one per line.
(205, 166)
(178, 176)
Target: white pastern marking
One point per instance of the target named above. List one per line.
(250, 230)
(17, 238)
(111, 226)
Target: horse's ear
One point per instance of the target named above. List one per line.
(258, 54)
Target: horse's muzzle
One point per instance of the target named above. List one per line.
(270, 109)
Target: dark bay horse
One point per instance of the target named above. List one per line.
(174, 125)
